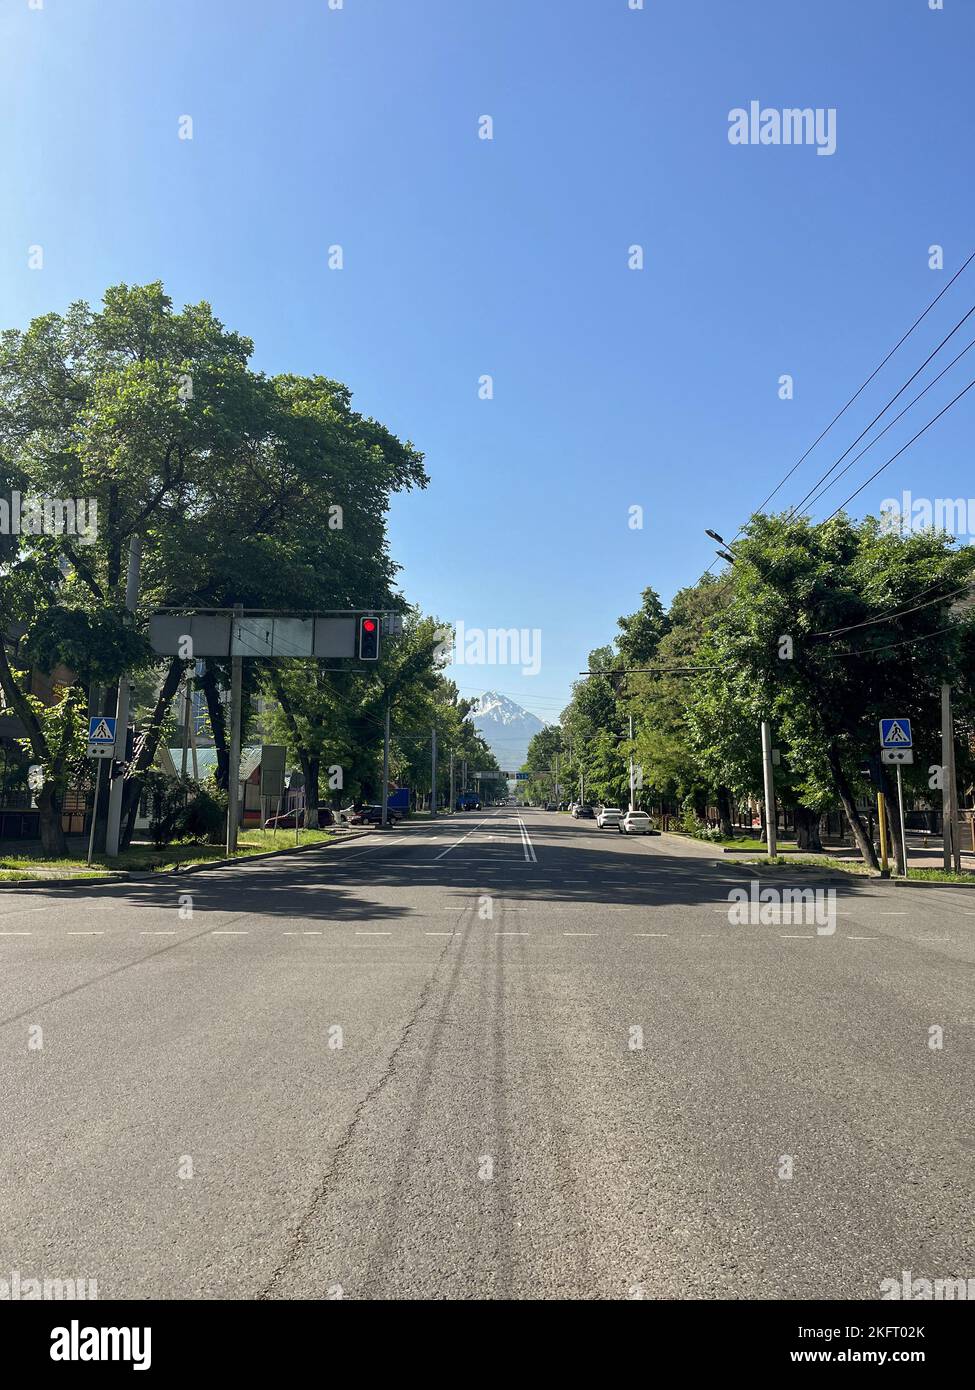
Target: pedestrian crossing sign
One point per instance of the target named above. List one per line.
(101, 736)
(896, 733)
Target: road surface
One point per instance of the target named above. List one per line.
(505, 1055)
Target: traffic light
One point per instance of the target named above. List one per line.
(369, 639)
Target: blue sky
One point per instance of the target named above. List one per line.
(464, 257)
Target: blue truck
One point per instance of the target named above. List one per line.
(468, 801)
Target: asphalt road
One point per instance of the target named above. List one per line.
(490, 1126)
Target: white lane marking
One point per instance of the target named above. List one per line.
(804, 936)
(863, 938)
(16, 933)
(653, 935)
(891, 914)
(19, 911)
(374, 933)
(229, 933)
(86, 933)
(441, 933)
(463, 837)
(511, 933)
(157, 933)
(580, 933)
(526, 842)
(311, 933)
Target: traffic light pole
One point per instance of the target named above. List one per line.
(882, 828)
(117, 784)
(769, 788)
(94, 813)
(386, 768)
(949, 787)
(433, 772)
(233, 773)
(632, 806)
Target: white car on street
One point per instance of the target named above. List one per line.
(635, 823)
(609, 816)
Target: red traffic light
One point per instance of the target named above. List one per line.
(368, 639)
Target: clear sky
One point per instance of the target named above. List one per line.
(463, 257)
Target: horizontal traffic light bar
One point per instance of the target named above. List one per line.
(223, 633)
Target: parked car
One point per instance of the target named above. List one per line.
(636, 823)
(584, 813)
(373, 815)
(286, 821)
(551, 806)
(609, 816)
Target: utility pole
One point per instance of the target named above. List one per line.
(632, 807)
(233, 775)
(117, 785)
(433, 771)
(452, 798)
(556, 777)
(949, 787)
(386, 767)
(769, 788)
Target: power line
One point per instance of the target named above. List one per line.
(908, 641)
(876, 474)
(860, 389)
(822, 492)
(891, 617)
(819, 482)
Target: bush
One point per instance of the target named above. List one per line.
(204, 817)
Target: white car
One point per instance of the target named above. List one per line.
(635, 823)
(609, 816)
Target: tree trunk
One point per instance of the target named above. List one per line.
(53, 842)
(864, 843)
(807, 830)
(311, 768)
(218, 723)
(724, 813)
(132, 789)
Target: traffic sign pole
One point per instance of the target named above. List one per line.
(900, 802)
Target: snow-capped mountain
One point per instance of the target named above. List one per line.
(506, 728)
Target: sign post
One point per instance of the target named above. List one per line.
(101, 745)
(897, 746)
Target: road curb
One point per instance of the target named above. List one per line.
(123, 876)
(797, 871)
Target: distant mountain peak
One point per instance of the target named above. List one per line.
(506, 728)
